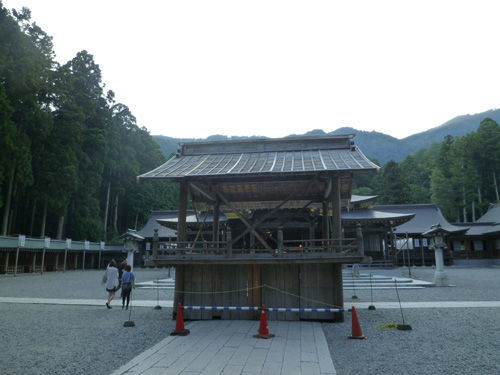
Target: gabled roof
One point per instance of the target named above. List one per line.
(492, 215)
(375, 216)
(480, 229)
(425, 216)
(132, 234)
(191, 219)
(148, 230)
(263, 156)
(362, 198)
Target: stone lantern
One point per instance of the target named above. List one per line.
(436, 235)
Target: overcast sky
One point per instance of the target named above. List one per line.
(272, 68)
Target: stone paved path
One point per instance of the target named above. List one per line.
(228, 348)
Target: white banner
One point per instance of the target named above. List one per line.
(68, 243)
(47, 242)
(21, 240)
(87, 245)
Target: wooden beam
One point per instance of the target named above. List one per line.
(261, 220)
(181, 222)
(215, 234)
(202, 192)
(244, 220)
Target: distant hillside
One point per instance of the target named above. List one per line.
(376, 145)
(456, 127)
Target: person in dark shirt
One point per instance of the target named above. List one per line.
(128, 283)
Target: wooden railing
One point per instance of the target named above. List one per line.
(348, 247)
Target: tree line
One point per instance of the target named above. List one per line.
(69, 153)
(459, 174)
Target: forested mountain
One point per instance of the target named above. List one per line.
(377, 145)
(69, 153)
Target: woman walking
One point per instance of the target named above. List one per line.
(128, 282)
(112, 283)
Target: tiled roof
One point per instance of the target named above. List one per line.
(492, 215)
(425, 216)
(264, 156)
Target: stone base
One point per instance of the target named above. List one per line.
(441, 279)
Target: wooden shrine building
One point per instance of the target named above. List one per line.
(283, 244)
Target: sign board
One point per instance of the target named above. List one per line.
(68, 243)
(404, 244)
(101, 245)
(21, 240)
(148, 246)
(87, 245)
(47, 242)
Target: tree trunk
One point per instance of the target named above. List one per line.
(479, 198)
(44, 219)
(136, 219)
(464, 208)
(115, 221)
(7, 204)
(473, 211)
(106, 210)
(60, 227)
(32, 222)
(13, 210)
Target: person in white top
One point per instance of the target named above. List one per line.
(112, 282)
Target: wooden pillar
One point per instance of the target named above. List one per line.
(57, 262)
(338, 298)
(7, 255)
(17, 261)
(65, 259)
(359, 240)
(252, 243)
(76, 261)
(336, 208)
(280, 240)
(83, 261)
(311, 235)
(324, 223)
(43, 261)
(215, 234)
(393, 250)
(181, 223)
(33, 264)
(179, 287)
(155, 244)
(229, 240)
(99, 261)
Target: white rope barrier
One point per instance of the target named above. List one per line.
(252, 308)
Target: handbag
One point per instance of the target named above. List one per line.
(126, 287)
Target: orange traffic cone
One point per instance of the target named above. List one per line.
(179, 324)
(356, 328)
(263, 330)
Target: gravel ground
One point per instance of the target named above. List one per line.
(442, 341)
(56, 339)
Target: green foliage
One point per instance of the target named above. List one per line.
(65, 142)
(452, 174)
